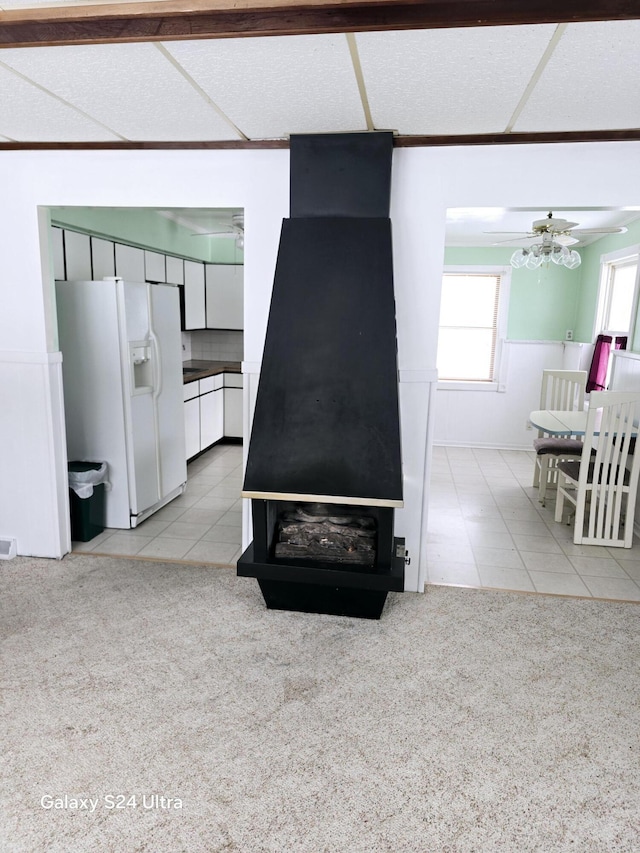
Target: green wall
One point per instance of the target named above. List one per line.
(543, 302)
(144, 227)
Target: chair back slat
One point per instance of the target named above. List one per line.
(612, 472)
(563, 389)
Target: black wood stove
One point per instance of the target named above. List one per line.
(324, 469)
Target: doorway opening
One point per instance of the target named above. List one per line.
(196, 258)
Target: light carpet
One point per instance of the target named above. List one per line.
(464, 720)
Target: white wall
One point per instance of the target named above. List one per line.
(425, 183)
(499, 419)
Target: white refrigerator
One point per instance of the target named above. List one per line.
(123, 390)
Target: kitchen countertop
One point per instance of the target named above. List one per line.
(200, 369)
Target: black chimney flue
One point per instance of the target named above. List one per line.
(324, 467)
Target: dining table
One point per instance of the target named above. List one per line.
(559, 422)
(568, 423)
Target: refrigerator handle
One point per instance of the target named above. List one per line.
(157, 364)
(157, 385)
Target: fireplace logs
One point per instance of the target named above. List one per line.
(319, 532)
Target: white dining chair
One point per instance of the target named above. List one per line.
(563, 390)
(603, 483)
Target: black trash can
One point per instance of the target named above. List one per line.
(86, 499)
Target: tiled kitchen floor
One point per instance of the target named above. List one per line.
(202, 525)
(487, 529)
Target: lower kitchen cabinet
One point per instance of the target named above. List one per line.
(211, 418)
(233, 412)
(192, 426)
(211, 411)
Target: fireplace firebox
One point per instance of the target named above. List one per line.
(326, 577)
(324, 469)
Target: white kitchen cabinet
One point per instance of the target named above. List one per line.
(203, 413)
(57, 251)
(211, 418)
(192, 426)
(175, 270)
(77, 251)
(191, 390)
(194, 313)
(103, 257)
(129, 263)
(225, 296)
(154, 267)
(233, 412)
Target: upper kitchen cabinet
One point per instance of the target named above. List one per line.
(77, 252)
(194, 300)
(154, 267)
(130, 263)
(225, 296)
(175, 270)
(103, 254)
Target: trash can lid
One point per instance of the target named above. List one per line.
(78, 467)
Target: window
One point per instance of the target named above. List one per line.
(471, 320)
(617, 291)
(615, 319)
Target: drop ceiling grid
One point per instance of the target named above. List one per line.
(590, 82)
(30, 115)
(271, 87)
(455, 81)
(131, 88)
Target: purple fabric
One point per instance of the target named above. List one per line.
(599, 363)
(600, 360)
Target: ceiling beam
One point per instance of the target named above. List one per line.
(534, 138)
(169, 20)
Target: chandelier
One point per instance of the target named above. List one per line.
(549, 250)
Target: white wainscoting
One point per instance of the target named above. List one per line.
(34, 503)
(469, 418)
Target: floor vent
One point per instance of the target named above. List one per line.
(7, 548)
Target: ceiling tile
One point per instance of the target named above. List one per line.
(30, 115)
(449, 81)
(590, 82)
(132, 88)
(271, 87)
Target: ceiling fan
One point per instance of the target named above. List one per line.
(560, 230)
(234, 229)
(549, 240)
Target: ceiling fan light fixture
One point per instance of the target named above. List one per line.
(559, 254)
(549, 250)
(519, 258)
(573, 260)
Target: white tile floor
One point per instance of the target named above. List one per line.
(487, 529)
(202, 525)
